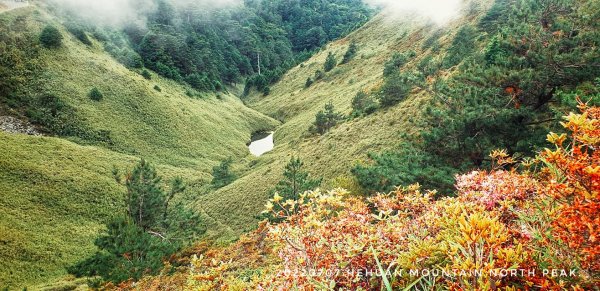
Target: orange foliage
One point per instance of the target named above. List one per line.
(500, 220)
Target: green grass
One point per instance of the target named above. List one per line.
(55, 194)
(335, 153)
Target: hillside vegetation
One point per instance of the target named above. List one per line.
(455, 107)
(520, 226)
(452, 96)
(333, 154)
(57, 192)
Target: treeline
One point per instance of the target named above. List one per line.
(515, 74)
(209, 48)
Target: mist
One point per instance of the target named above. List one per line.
(122, 12)
(439, 11)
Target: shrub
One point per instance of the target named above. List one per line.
(350, 53)
(222, 175)
(330, 62)
(199, 82)
(319, 75)
(266, 91)
(408, 165)
(428, 66)
(95, 94)
(157, 88)
(395, 88)
(51, 37)
(363, 104)
(308, 83)
(462, 45)
(146, 74)
(397, 61)
(325, 120)
(80, 34)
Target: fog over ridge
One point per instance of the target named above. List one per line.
(439, 11)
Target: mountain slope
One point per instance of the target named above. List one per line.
(333, 154)
(56, 192)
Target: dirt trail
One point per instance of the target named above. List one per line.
(7, 5)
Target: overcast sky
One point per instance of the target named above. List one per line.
(118, 12)
(439, 11)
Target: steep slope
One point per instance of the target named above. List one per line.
(56, 192)
(332, 155)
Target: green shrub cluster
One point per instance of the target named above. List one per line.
(95, 94)
(79, 33)
(330, 62)
(326, 119)
(222, 175)
(350, 53)
(51, 37)
(363, 104)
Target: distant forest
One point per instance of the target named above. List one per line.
(209, 47)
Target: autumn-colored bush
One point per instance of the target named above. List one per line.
(505, 228)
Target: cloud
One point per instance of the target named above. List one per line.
(122, 12)
(440, 11)
(108, 12)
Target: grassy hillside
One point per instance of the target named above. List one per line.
(57, 192)
(332, 155)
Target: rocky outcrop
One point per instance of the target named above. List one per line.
(13, 125)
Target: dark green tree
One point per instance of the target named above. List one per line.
(330, 62)
(363, 104)
(350, 52)
(396, 88)
(153, 228)
(397, 61)
(326, 119)
(95, 94)
(146, 74)
(404, 167)
(309, 82)
(295, 181)
(51, 37)
(222, 175)
(79, 33)
(462, 45)
(506, 96)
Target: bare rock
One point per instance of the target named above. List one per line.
(13, 125)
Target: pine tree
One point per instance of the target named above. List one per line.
(330, 62)
(396, 88)
(295, 182)
(352, 49)
(500, 97)
(137, 243)
(325, 119)
(222, 175)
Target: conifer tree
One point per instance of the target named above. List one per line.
(295, 182)
(330, 62)
(137, 243)
(222, 175)
(325, 119)
(352, 49)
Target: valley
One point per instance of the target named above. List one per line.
(190, 96)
